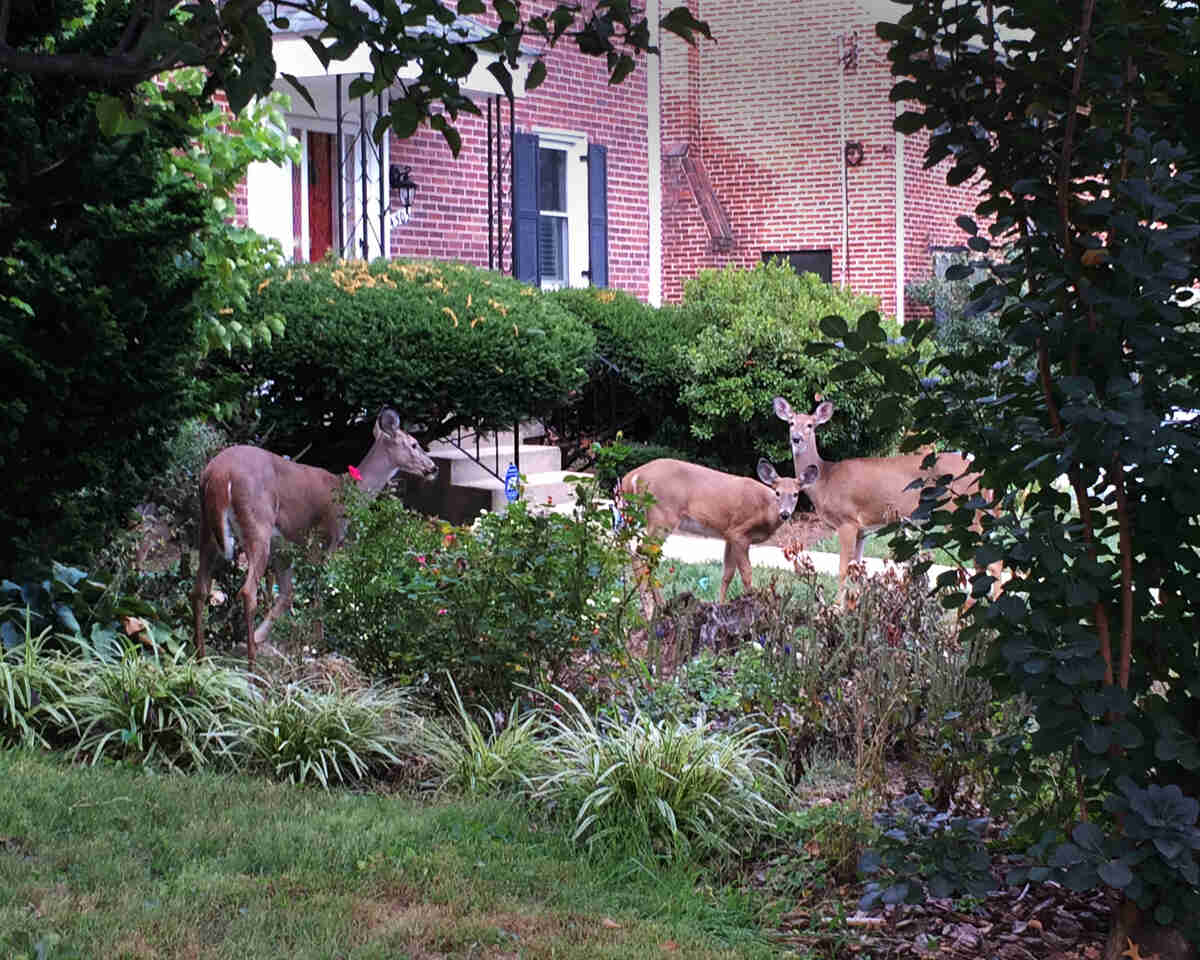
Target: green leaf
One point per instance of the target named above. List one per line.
(498, 70)
(114, 118)
(834, 327)
(537, 74)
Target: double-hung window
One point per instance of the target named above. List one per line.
(560, 210)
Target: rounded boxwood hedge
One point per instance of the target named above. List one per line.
(444, 343)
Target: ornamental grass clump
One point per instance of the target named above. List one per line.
(335, 735)
(674, 788)
(33, 686)
(152, 705)
(494, 757)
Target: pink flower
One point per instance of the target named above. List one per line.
(442, 612)
(354, 472)
(420, 559)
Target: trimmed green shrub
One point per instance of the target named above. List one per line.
(756, 325)
(447, 344)
(636, 379)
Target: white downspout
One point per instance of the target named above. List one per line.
(841, 160)
(654, 163)
(900, 230)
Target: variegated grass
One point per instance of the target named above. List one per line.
(674, 787)
(488, 758)
(33, 684)
(295, 733)
(152, 705)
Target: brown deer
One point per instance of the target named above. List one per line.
(739, 510)
(858, 496)
(266, 495)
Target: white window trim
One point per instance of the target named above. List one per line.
(575, 145)
(306, 123)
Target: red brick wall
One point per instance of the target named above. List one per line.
(450, 213)
(767, 129)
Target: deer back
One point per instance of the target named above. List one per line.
(705, 500)
(267, 494)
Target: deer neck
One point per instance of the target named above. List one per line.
(815, 491)
(376, 470)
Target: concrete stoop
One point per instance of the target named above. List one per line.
(464, 487)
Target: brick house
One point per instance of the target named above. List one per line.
(774, 141)
(577, 148)
(759, 130)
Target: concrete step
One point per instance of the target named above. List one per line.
(460, 467)
(546, 489)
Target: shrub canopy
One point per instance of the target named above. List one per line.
(446, 344)
(756, 325)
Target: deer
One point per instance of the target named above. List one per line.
(265, 496)
(739, 510)
(858, 496)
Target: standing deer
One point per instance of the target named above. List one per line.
(856, 497)
(267, 496)
(739, 510)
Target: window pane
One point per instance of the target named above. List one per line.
(552, 180)
(552, 249)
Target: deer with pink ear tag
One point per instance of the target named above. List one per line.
(263, 495)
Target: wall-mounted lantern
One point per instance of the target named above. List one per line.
(401, 184)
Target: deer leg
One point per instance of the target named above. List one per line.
(848, 542)
(737, 556)
(201, 591)
(281, 604)
(257, 557)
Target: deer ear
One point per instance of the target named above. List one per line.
(811, 472)
(387, 422)
(767, 474)
(823, 412)
(783, 409)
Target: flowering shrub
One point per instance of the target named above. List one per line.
(510, 600)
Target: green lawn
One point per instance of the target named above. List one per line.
(114, 862)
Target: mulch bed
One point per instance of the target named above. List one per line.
(1042, 922)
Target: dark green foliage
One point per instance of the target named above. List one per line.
(232, 43)
(617, 458)
(635, 380)
(756, 325)
(922, 852)
(415, 600)
(446, 344)
(1091, 192)
(98, 338)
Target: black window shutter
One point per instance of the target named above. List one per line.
(598, 215)
(525, 209)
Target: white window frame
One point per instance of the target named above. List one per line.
(575, 145)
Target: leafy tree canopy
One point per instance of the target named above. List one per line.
(231, 41)
(1081, 411)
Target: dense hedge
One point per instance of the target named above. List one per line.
(755, 325)
(98, 327)
(634, 380)
(444, 343)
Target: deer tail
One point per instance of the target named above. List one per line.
(216, 508)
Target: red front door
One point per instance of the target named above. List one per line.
(320, 194)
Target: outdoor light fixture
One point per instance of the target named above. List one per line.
(401, 183)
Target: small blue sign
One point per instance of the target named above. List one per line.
(512, 483)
